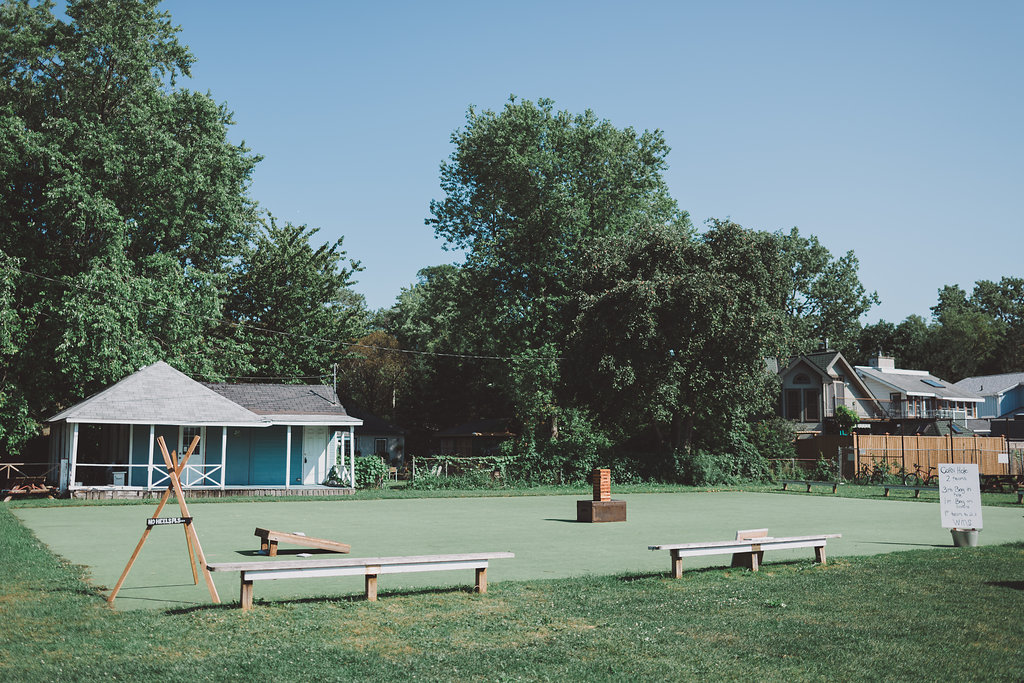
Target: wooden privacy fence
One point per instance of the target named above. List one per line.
(910, 453)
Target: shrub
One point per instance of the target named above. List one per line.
(472, 479)
(774, 438)
(846, 418)
(702, 468)
(371, 471)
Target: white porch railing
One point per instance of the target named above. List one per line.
(193, 476)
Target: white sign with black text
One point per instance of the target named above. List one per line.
(960, 496)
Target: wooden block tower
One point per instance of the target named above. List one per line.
(602, 508)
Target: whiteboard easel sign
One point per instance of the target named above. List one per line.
(960, 496)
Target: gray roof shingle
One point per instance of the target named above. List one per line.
(283, 402)
(913, 383)
(159, 394)
(989, 385)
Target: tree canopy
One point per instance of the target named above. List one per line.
(526, 191)
(127, 218)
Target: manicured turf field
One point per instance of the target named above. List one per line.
(541, 531)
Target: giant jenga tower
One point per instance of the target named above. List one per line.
(602, 508)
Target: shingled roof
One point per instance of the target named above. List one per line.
(989, 385)
(919, 383)
(292, 403)
(159, 394)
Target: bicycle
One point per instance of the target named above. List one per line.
(870, 474)
(921, 476)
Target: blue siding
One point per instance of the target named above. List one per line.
(237, 460)
(268, 456)
(139, 455)
(170, 434)
(256, 456)
(1016, 399)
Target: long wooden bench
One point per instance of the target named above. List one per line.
(269, 540)
(751, 549)
(370, 567)
(809, 484)
(910, 487)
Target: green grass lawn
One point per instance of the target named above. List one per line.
(540, 530)
(938, 614)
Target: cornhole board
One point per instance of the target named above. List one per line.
(269, 540)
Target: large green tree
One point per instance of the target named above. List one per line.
(825, 298)
(446, 383)
(673, 329)
(123, 206)
(294, 302)
(527, 190)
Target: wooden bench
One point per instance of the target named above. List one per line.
(910, 487)
(809, 484)
(753, 548)
(269, 540)
(370, 567)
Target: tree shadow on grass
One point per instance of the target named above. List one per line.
(910, 545)
(1015, 585)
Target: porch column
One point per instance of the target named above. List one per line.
(74, 456)
(352, 455)
(131, 455)
(288, 459)
(223, 456)
(149, 470)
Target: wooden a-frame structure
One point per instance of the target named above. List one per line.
(195, 550)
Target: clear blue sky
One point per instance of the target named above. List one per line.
(890, 128)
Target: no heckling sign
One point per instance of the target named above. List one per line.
(960, 496)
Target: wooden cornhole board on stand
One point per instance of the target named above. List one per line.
(269, 540)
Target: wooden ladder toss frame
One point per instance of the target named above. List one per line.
(174, 469)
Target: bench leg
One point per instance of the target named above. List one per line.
(272, 548)
(784, 485)
(835, 487)
(755, 560)
(677, 566)
(245, 595)
(371, 587)
(808, 488)
(481, 579)
(819, 554)
(917, 493)
(886, 494)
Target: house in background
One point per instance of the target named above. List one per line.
(314, 408)
(474, 439)
(914, 396)
(815, 384)
(1003, 394)
(1003, 405)
(379, 437)
(251, 436)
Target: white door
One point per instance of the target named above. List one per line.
(314, 455)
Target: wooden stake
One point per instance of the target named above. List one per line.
(174, 469)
